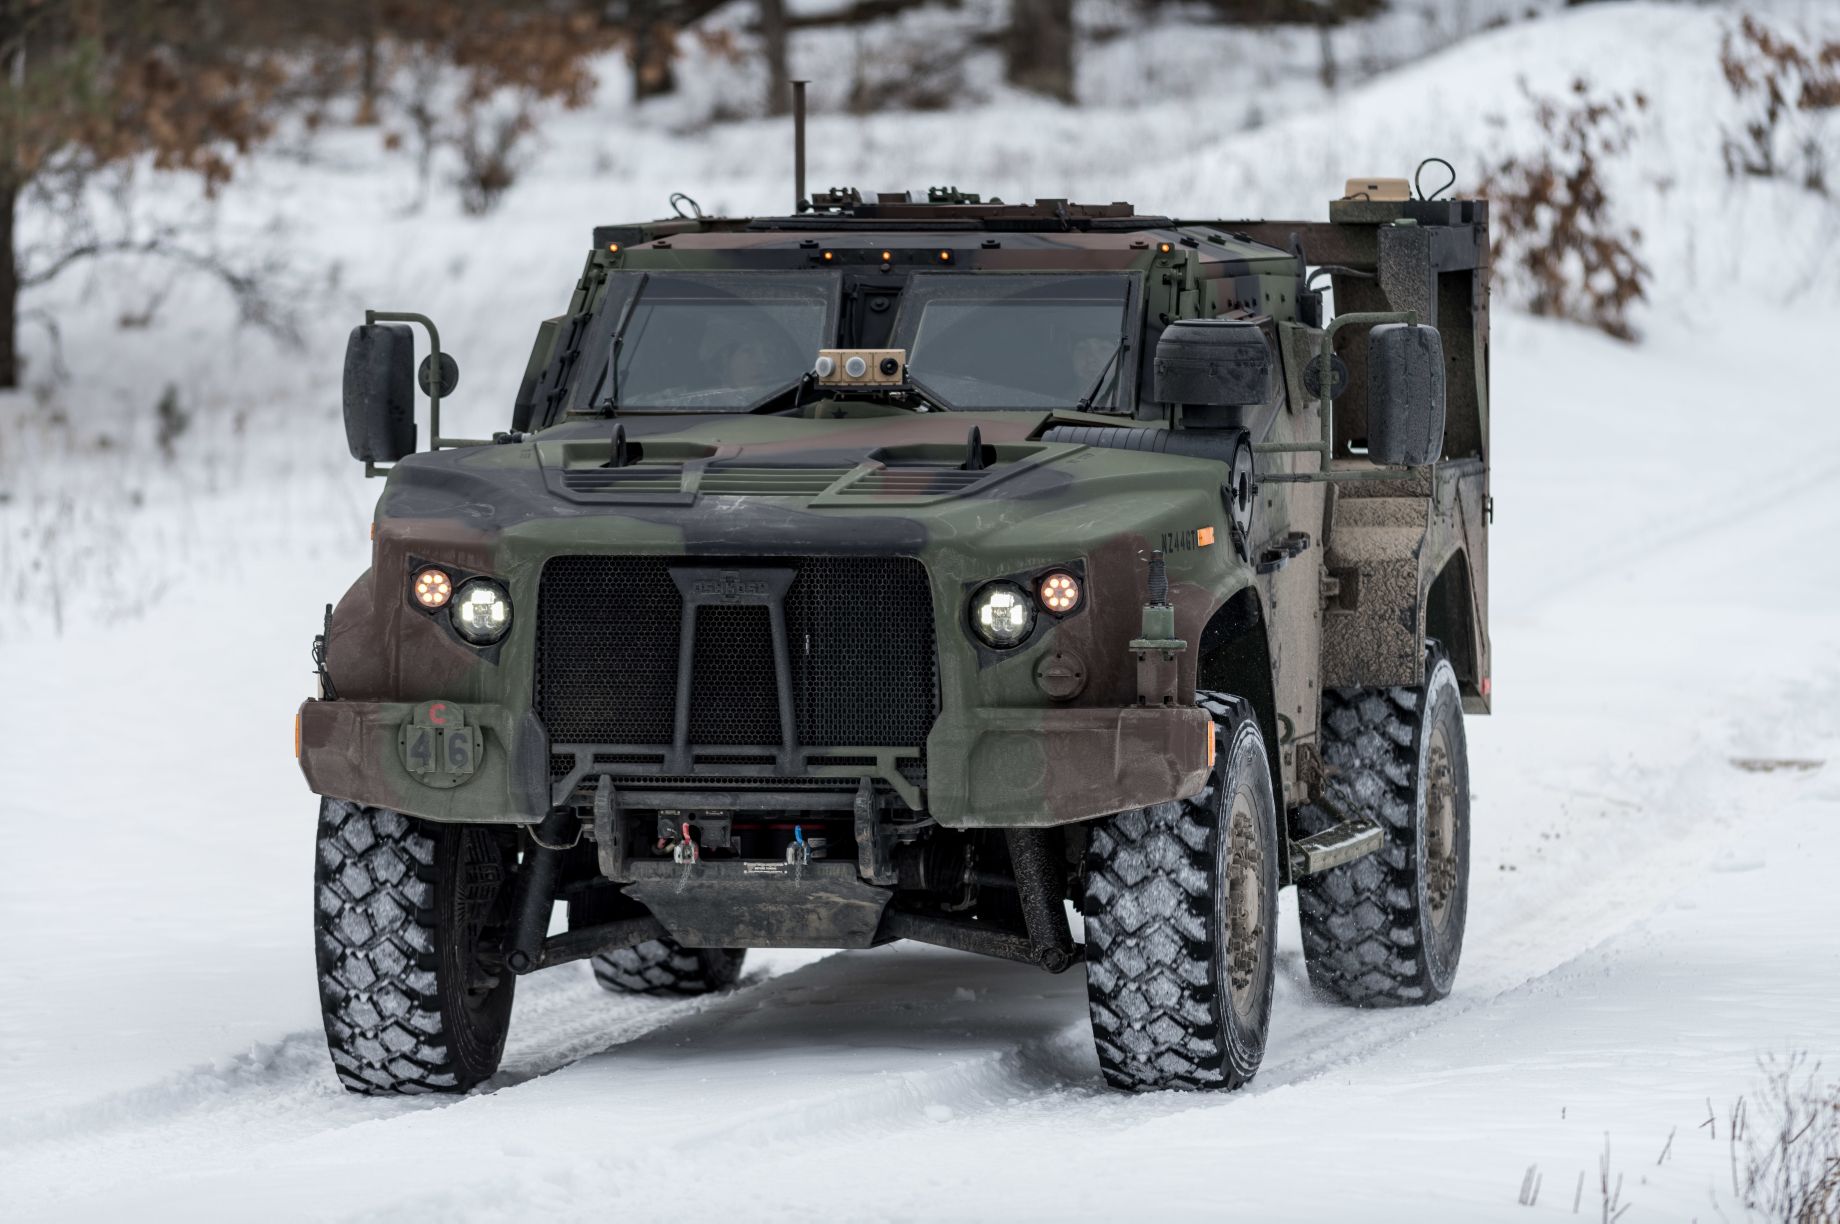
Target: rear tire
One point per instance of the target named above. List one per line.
(666, 967)
(1387, 930)
(1181, 924)
(411, 919)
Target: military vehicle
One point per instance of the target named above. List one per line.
(943, 570)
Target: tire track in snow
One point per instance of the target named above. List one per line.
(285, 1090)
(1004, 1037)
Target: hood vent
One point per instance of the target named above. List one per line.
(737, 480)
(636, 478)
(899, 474)
(902, 482)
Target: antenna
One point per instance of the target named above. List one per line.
(798, 146)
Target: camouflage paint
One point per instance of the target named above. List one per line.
(1002, 753)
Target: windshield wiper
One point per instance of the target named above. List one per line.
(612, 401)
(1104, 373)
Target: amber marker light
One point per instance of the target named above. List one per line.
(614, 247)
(1060, 592)
(945, 257)
(828, 256)
(433, 588)
(1164, 247)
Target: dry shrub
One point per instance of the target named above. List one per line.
(908, 74)
(474, 81)
(490, 157)
(1558, 245)
(1784, 84)
(1785, 1144)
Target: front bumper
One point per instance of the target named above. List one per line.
(352, 750)
(997, 768)
(1030, 768)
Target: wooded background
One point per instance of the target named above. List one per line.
(102, 87)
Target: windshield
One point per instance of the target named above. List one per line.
(706, 342)
(1017, 341)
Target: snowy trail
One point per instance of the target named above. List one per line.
(886, 1044)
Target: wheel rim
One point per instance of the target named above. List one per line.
(1440, 827)
(1245, 906)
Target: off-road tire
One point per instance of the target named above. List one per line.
(409, 921)
(1180, 960)
(1387, 930)
(666, 967)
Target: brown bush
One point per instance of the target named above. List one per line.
(1784, 84)
(1557, 243)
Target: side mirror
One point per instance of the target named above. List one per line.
(380, 392)
(1213, 362)
(1405, 395)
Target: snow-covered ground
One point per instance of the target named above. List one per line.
(1648, 917)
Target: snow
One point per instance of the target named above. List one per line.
(1648, 919)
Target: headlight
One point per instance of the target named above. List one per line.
(432, 588)
(1059, 592)
(482, 612)
(1002, 614)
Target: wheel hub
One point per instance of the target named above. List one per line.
(1440, 827)
(1245, 905)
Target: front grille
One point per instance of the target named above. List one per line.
(859, 631)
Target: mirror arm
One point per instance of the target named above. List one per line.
(1325, 447)
(435, 440)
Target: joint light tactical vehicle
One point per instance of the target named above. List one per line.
(905, 569)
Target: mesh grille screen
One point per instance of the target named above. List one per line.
(859, 629)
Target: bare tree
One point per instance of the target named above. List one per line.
(1039, 47)
(94, 84)
(773, 39)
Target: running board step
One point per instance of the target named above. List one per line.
(1335, 846)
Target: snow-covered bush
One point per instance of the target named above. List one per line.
(1788, 88)
(1559, 248)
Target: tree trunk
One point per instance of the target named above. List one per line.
(652, 52)
(1326, 72)
(9, 288)
(773, 51)
(1040, 47)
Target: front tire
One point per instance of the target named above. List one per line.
(1387, 930)
(1181, 924)
(411, 920)
(666, 967)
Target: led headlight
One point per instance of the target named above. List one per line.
(482, 612)
(1002, 614)
(432, 588)
(1059, 592)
